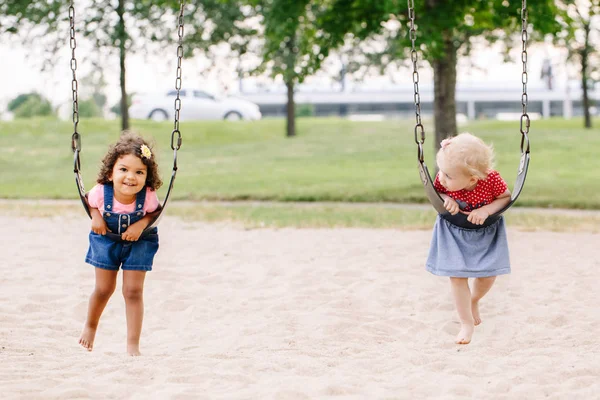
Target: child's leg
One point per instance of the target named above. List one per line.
(133, 291)
(480, 287)
(106, 282)
(462, 300)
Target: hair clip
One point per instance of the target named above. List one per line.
(145, 150)
(444, 143)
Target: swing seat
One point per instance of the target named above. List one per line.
(460, 219)
(76, 137)
(436, 201)
(83, 196)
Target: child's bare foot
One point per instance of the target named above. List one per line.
(465, 334)
(87, 338)
(133, 350)
(475, 311)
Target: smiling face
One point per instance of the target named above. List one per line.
(128, 178)
(454, 178)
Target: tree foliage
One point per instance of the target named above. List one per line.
(377, 32)
(465, 20)
(149, 27)
(29, 105)
(295, 45)
(46, 21)
(580, 35)
(89, 109)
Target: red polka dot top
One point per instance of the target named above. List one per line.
(486, 191)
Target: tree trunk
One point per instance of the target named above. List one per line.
(584, 78)
(444, 87)
(291, 110)
(584, 87)
(289, 77)
(122, 40)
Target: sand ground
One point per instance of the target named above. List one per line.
(296, 314)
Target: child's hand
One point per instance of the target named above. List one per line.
(99, 225)
(478, 216)
(451, 205)
(133, 233)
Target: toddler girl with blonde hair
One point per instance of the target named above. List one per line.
(468, 184)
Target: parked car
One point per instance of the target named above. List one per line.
(195, 104)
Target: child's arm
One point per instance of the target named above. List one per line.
(498, 204)
(135, 230)
(479, 215)
(98, 223)
(450, 204)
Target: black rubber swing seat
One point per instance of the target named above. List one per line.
(460, 219)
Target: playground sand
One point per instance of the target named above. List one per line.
(296, 314)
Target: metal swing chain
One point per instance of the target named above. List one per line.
(419, 130)
(75, 138)
(525, 122)
(176, 131)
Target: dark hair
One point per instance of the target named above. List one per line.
(129, 143)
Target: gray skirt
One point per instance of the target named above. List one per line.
(468, 253)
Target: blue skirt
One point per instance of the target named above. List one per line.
(468, 253)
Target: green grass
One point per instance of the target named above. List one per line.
(330, 160)
(318, 215)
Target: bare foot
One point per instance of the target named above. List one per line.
(87, 338)
(133, 350)
(475, 311)
(465, 334)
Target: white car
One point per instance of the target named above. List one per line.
(195, 104)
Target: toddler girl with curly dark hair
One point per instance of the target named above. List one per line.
(122, 205)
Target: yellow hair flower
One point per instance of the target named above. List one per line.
(146, 153)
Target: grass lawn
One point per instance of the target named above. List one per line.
(330, 160)
(251, 215)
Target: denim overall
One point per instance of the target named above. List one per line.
(110, 251)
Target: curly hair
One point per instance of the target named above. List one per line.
(129, 143)
(469, 153)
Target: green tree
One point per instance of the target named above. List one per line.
(581, 36)
(445, 31)
(225, 32)
(20, 99)
(89, 109)
(126, 27)
(109, 25)
(294, 45)
(116, 108)
(30, 105)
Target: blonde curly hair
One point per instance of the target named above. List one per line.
(467, 152)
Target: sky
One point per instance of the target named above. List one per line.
(20, 73)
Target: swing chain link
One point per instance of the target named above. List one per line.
(419, 129)
(176, 131)
(525, 121)
(75, 138)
